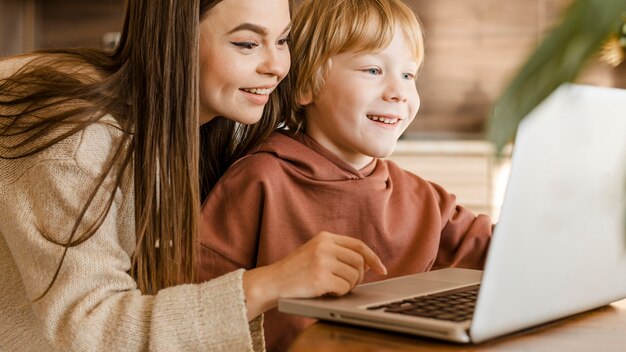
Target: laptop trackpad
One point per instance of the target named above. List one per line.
(407, 286)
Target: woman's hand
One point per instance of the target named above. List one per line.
(326, 264)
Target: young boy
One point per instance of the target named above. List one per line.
(354, 64)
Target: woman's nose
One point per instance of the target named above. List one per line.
(275, 62)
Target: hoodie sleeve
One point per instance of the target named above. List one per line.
(230, 220)
(464, 238)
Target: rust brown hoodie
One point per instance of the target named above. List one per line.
(291, 188)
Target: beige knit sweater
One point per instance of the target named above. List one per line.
(94, 304)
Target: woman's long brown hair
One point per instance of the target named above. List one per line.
(149, 84)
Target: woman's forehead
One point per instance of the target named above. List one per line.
(269, 15)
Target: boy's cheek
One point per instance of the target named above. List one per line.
(415, 108)
(409, 120)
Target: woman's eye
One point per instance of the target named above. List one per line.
(374, 71)
(245, 45)
(284, 41)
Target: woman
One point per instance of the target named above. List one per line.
(99, 186)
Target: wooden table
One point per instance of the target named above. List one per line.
(601, 330)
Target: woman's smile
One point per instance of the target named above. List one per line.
(257, 96)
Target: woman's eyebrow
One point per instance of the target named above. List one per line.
(249, 27)
(255, 28)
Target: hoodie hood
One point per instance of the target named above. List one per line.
(303, 154)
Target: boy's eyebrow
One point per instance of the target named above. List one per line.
(254, 28)
(376, 54)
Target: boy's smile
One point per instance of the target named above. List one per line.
(366, 102)
(385, 119)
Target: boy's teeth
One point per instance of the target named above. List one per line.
(382, 119)
(260, 91)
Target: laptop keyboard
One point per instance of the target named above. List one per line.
(455, 305)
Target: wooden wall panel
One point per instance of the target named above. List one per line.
(473, 47)
(17, 24)
(72, 23)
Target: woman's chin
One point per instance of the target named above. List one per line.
(248, 121)
(247, 117)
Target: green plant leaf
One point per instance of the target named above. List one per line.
(558, 59)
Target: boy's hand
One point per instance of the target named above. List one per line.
(327, 264)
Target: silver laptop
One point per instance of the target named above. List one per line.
(558, 249)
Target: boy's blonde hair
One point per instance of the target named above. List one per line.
(324, 28)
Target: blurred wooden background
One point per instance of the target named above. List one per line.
(26, 25)
(473, 47)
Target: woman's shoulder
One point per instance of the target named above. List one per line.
(10, 65)
(89, 147)
(97, 143)
(87, 150)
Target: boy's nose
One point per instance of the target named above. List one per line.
(275, 62)
(396, 91)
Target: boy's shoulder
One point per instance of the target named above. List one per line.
(264, 162)
(278, 148)
(397, 172)
(254, 164)
(398, 175)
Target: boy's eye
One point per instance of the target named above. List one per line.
(374, 71)
(409, 76)
(245, 45)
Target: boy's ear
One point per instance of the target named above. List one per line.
(305, 99)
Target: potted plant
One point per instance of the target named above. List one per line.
(585, 27)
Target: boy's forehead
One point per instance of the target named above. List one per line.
(405, 54)
(399, 46)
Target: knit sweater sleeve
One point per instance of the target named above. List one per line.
(94, 305)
